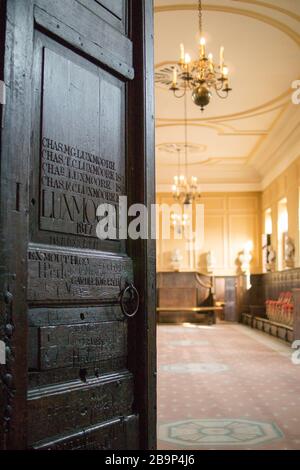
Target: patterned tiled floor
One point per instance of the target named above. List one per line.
(226, 387)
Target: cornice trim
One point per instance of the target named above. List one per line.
(218, 188)
(284, 11)
(233, 10)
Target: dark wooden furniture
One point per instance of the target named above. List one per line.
(226, 292)
(296, 326)
(220, 311)
(272, 328)
(268, 287)
(277, 318)
(180, 296)
(77, 131)
(166, 314)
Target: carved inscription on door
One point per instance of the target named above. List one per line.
(78, 381)
(67, 275)
(62, 408)
(82, 145)
(77, 345)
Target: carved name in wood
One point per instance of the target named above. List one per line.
(62, 409)
(82, 154)
(77, 345)
(66, 275)
(73, 184)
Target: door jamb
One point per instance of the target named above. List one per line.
(141, 166)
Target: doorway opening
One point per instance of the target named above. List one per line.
(227, 304)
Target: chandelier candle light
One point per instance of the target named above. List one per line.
(202, 75)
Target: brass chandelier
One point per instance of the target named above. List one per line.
(179, 220)
(202, 75)
(185, 190)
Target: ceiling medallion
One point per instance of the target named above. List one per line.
(202, 75)
(173, 148)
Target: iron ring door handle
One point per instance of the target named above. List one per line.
(129, 301)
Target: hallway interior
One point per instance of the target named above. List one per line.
(226, 387)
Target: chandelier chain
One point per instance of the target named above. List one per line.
(200, 17)
(179, 160)
(185, 190)
(185, 136)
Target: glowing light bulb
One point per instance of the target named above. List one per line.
(222, 56)
(174, 77)
(211, 62)
(202, 46)
(187, 59)
(181, 53)
(248, 246)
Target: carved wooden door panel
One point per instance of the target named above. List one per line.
(79, 376)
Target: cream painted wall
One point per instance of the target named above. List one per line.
(284, 186)
(230, 221)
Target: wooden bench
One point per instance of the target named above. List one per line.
(209, 310)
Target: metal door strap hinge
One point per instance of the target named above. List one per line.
(2, 93)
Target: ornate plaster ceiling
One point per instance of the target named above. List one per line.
(234, 141)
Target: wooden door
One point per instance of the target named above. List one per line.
(77, 131)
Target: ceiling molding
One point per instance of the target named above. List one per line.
(221, 132)
(233, 10)
(278, 169)
(181, 122)
(217, 188)
(280, 148)
(233, 117)
(271, 7)
(174, 147)
(252, 112)
(209, 161)
(260, 142)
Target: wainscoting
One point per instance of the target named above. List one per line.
(268, 287)
(175, 289)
